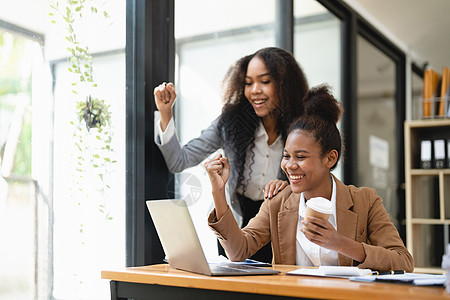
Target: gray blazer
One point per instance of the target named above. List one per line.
(210, 140)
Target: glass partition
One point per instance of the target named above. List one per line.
(203, 55)
(89, 202)
(62, 211)
(317, 47)
(376, 131)
(18, 192)
(416, 96)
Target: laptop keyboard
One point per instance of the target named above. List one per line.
(232, 267)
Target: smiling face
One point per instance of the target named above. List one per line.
(260, 88)
(307, 169)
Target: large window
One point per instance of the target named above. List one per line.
(89, 202)
(88, 165)
(21, 63)
(204, 54)
(208, 37)
(62, 207)
(317, 47)
(376, 130)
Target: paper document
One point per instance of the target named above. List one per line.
(407, 278)
(332, 271)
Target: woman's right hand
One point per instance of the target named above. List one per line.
(273, 187)
(165, 95)
(218, 170)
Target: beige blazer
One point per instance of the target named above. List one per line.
(360, 215)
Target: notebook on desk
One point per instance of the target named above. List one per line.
(182, 246)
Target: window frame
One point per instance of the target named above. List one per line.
(150, 60)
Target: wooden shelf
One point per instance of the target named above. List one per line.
(427, 197)
(429, 172)
(430, 221)
(428, 123)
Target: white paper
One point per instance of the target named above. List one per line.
(439, 149)
(411, 278)
(425, 150)
(379, 152)
(332, 271)
(345, 271)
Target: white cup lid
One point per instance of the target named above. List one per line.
(320, 204)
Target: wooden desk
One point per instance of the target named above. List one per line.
(163, 282)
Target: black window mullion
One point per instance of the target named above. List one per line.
(284, 25)
(401, 117)
(349, 100)
(419, 71)
(149, 60)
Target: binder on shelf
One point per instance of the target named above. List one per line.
(448, 153)
(439, 154)
(425, 154)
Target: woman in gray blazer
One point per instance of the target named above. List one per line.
(263, 93)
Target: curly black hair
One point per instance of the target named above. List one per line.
(239, 121)
(322, 112)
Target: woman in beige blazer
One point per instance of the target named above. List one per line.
(358, 233)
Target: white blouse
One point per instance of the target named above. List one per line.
(267, 159)
(306, 252)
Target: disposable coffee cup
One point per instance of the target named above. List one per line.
(319, 207)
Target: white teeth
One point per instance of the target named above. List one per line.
(296, 177)
(259, 101)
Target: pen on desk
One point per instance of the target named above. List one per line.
(389, 272)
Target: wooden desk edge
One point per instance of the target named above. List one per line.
(292, 286)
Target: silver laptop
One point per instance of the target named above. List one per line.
(180, 242)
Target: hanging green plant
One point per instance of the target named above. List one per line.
(92, 125)
(71, 13)
(94, 112)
